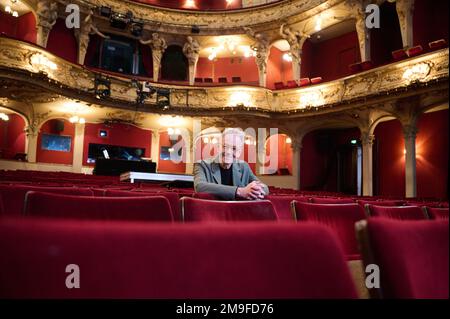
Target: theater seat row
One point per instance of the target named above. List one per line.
(255, 260)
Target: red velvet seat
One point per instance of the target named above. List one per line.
(366, 65)
(380, 202)
(400, 212)
(208, 80)
(205, 196)
(292, 84)
(438, 44)
(149, 260)
(414, 51)
(1, 205)
(279, 86)
(198, 80)
(412, 257)
(14, 195)
(282, 205)
(399, 55)
(202, 210)
(48, 205)
(236, 79)
(173, 199)
(223, 80)
(341, 218)
(436, 213)
(330, 200)
(304, 82)
(355, 67)
(316, 80)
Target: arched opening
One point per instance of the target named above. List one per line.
(22, 26)
(279, 160)
(62, 42)
(329, 160)
(279, 64)
(12, 135)
(174, 64)
(55, 142)
(388, 37)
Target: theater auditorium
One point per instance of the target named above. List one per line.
(224, 149)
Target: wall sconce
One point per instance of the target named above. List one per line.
(75, 119)
(288, 140)
(4, 117)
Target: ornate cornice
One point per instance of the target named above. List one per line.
(33, 66)
(211, 22)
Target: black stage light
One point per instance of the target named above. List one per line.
(102, 87)
(136, 29)
(195, 29)
(119, 21)
(163, 98)
(105, 11)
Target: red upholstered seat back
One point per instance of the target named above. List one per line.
(205, 196)
(401, 212)
(341, 218)
(330, 200)
(412, 257)
(14, 195)
(149, 260)
(173, 199)
(194, 209)
(155, 208)
(282, 205)
(363, 203)
(437, 213)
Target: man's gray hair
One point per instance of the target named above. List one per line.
(234, 132)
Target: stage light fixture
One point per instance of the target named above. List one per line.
(137, 28)
(102, 87)
(105, 11)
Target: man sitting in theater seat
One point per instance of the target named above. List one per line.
(226, 176)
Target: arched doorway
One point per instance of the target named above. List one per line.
(174, 64)
(12, 135)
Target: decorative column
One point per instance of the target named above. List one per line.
(191, 50)
(158, 46)
(357, 11)
(367, 163)
(47, 14)
(154, 153)
(261, 49)
(409, 133)
(77, 162)
(296, 39)
(82, 36)
(405, 11)
(32, 133)
(296, 150)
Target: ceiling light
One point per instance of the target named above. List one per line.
(318, 26)
(205, 140)
(8, 9)
(4, 117)
(287, 57)
(288, 140)
(15, 14)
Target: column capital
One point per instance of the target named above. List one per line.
(367, 138)
(410, 131)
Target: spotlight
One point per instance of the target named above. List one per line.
(119, 20)
(105, 11)
(102, 87)
(136, 29)
(163, 98)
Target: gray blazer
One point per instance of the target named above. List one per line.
(207, 178)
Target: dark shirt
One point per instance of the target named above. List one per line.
(227, 176)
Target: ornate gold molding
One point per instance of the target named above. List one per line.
(214, 20)
(35, 66)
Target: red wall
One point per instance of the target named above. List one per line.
(119, 135)
(430, 21)
(12, 136)
(278, 70)
(284, 152)
(22, 28)
(330, 59)
(432, 155)
(389, 160)
(62, 42)
(56, 157)
(167, 165)
(228, 67)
